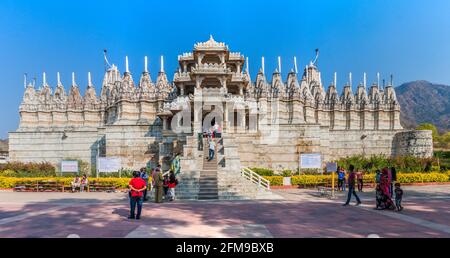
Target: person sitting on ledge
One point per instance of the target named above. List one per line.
(75, 183)
(84, 183)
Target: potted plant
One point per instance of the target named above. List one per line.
(287, 174)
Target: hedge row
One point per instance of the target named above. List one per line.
(11, 182)
(312, 180)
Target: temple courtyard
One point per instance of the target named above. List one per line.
(302, 213)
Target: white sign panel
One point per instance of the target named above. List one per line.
(313, 160)
(69, 166)
(109, 164)
(331, 167)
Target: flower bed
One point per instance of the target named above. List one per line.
(405, 178)
(11, 182)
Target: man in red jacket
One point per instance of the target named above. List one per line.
(137, 187)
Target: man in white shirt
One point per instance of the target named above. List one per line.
(212, 147)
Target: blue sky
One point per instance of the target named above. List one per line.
(410, 39)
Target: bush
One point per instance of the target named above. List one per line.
(405, 164)
(31, 169)
(274, 180)
(263, 171)
(287, 173)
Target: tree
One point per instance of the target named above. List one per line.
(428, 126)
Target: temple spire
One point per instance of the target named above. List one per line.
(25, 80)
(58, 79)
(127, 70)
(350, 79)
(44, 79)
(89, 79)
(365, 80)
(262, 65)
(73, 79)
(145, 64)
(246, 66)
(392, 80)
(335, 79)
(295, 65)
(162, 63)
(279, 64)
(378, 80)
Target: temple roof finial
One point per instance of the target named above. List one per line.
(127, 70)
(89, 79)
(73, 79)
(145, 64)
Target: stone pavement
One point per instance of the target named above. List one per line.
(301, 214)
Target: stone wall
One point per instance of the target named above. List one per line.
(413, 143)
(51, 146)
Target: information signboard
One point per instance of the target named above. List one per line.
(109, 164)
(69, 166)
(311, 160)
(331, 167)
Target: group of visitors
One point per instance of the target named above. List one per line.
(80, 183)
(385, 191)
(214, 132)
(386, 187)
(163, 187)
(342, 182)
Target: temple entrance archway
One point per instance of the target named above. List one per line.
(210, 118)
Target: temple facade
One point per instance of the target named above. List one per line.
(265, 123)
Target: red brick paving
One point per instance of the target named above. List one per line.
(282, 219)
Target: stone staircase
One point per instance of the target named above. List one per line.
(218, 179)
(208, 176)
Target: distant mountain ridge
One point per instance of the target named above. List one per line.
(424, 102)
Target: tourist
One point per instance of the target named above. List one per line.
(166, 186)
(84, 183)
(398, 197)
(173, 182)
(212, 148)
(159, 180)
(341, 179)
(359, 178)
(176, 166)
(75, 183)
(385, 185)
(379, 197)
(143, 174)
(219, 132)
(377, 176)
(200, 141)
(351, 187)
(216, 130)
(389, 173)
(393, 178)
(154, 174)
(137, 187)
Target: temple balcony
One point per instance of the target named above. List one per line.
(238, 77)
(211, 69)
(186, 57)
(182, 77)
(236, 56)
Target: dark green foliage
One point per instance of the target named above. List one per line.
(406, 164)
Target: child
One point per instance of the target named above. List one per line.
(166, 186)
(398, 197)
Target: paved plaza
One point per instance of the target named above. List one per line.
(302, 213)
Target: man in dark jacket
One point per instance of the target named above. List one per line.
(393, 179)
(351, 186)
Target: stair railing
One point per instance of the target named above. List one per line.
(255, 178)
